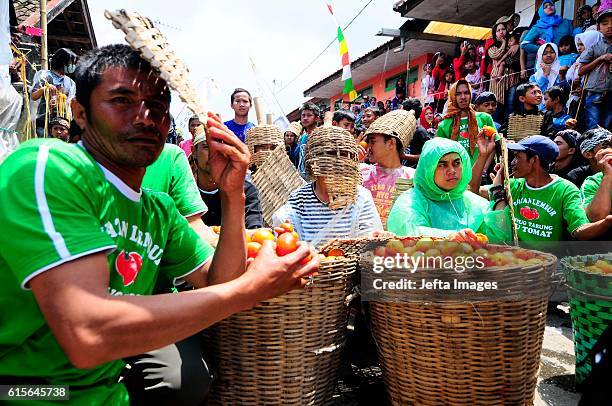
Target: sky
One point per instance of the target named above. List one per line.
(217, 39)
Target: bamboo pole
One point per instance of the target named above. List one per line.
(44, 59)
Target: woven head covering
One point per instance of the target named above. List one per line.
(263, 134)
(454, 113)
(400, 124)
(200, 136)
(57, 120)
(295, 128)
(331, 153)
(598, 136)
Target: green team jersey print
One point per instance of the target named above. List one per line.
(445, 129)
(545, 213)
(171, 174)
(59, 204)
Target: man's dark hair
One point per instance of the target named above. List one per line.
(568, 40)
(485, 97)
(344, 115)
(61, 58)
(375, 110)
(398, 144)
(413, 104)
(547, 166)
(311, 107)
(192, 119)
(556, 92)
(522, 90)
(94, 63)
(240, 90)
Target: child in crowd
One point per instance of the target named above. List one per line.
(439, 71)
(427, 85)
(583, 42)
(554, 103)
(473, 76)
(486, 102)
(596, 62)
(567, 51)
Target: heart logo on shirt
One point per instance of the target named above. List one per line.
(464, 134)
(529, 213)
(128, 265)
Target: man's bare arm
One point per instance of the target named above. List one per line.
(93, 327)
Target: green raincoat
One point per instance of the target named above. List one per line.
(427, 210)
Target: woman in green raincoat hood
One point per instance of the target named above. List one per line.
(439, 204)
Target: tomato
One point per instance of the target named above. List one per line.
(252, 249)
(261, 235)
(363, 144)
(285, 244)
(216, 229)
(335, 252)
(306, 260)
(247, 237)
(489, 131)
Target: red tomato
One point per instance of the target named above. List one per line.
(252, 249)
(285, 244)
(260, 236)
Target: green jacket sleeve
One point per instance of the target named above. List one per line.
(409, 217)
(497, 225)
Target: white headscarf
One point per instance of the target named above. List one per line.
(554, 69)
(587, 38)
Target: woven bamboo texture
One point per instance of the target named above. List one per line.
(331, 152)
(400, 124)
(260, 135)
(520, 126)
(275, 179)
(295, 127)
(401, 186)
(444, 351)
(286, 351)
(142, 35)
(590, 297)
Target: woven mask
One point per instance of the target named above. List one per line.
(331, 153)
(266, 136)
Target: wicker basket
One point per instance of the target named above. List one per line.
(439, 349)
(400, 124)
(520, 126)
(590, 297)
(275, 179)
(260, 135)
(286, 351)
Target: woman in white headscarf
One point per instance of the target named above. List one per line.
(584, 41)
(547, 69)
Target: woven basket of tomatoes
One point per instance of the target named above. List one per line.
(589, 282)
(285, 351)
(451, 336)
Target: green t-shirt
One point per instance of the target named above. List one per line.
(445, 129)
(171, 174)
(58, 205)
(589, 188)
(545, 213)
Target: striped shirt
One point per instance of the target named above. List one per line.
(317, 224)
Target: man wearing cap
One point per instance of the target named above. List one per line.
(293, 131)
(548, 208)
(387, 138)
(59, 128)
(596, 191)
(209, 190)
(486, 102)
(594, 140)
(568, 158)
(596, 62)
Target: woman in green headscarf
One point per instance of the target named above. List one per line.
(439, 204)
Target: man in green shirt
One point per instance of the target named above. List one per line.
(596, 191)
(464, 125)
(83, 244)
(547, 207)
